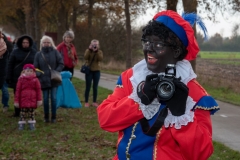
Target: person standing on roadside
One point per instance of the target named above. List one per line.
(68, 51)
(48, 56)
(23, 54)
(93, 56)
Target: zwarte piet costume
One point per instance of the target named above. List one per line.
(184, 137)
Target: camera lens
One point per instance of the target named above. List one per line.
(165, 90)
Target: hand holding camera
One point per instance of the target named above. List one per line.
(166, 88)
(146, 89)
(172, 91)
(177, 104)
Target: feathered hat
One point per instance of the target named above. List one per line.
(29, 66)
(182, 27)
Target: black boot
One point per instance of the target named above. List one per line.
(46, 118)
(17, 112)
(53, 118)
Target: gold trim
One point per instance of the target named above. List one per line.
(119, 86)
(195, 81)
(155, 144)
(130, 141)
(205, 108)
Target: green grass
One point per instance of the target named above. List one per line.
(76, 135)
(223, 94)
(221, 152)
(219, 55)
(114, 72)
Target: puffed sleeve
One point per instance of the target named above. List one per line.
(195, 139)
(118, 112)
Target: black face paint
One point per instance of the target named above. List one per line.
(157, 54)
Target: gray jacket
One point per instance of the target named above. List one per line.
(54, 59)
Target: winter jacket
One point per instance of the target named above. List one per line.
(28, 92)
(54, 59)
(3, 65)
(68, 62)
(88, 56)
(4, 60)
(17, 60)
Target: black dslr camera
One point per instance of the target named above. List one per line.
(165, 88)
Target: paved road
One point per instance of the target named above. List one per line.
(226, 122)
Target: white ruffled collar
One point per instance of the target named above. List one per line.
(183, 69)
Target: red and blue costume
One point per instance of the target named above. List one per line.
(186, 137)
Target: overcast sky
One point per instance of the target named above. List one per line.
(223, 26)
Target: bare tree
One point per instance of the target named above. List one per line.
(129, 35)
(172, 5)
(189, 7)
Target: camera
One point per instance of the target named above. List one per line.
(165, 87)
(94, 46)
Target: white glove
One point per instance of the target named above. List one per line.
(16, 104)
(39, 103)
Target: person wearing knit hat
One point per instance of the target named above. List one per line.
(68, 51)
(158, 107)
(28, 96)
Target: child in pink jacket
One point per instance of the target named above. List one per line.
(28, 96)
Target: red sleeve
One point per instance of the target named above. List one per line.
(118, 112)
(60, 47)
(196, 91)
(195, 139)
(17, 92)
(38, 90)
(75, 55)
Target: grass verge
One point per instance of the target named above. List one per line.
(76, 135)
(223, 94)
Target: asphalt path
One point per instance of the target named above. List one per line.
(226, 122)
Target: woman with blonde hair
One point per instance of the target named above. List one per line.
(48, 56)
(93, 56)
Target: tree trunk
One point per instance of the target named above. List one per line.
(90, 15)
(74, 18)
(191, 6)
(129, 35)
(62, 21)
(172, 5)
(35, 8)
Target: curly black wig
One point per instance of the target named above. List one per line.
(165, 34)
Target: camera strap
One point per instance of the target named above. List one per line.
(152, 131)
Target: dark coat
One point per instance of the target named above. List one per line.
(54, 59)
(3, 64)
(17, 60)
(4, 61)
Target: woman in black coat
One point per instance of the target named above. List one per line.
(23, 54)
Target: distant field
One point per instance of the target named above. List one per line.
(219, 55)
